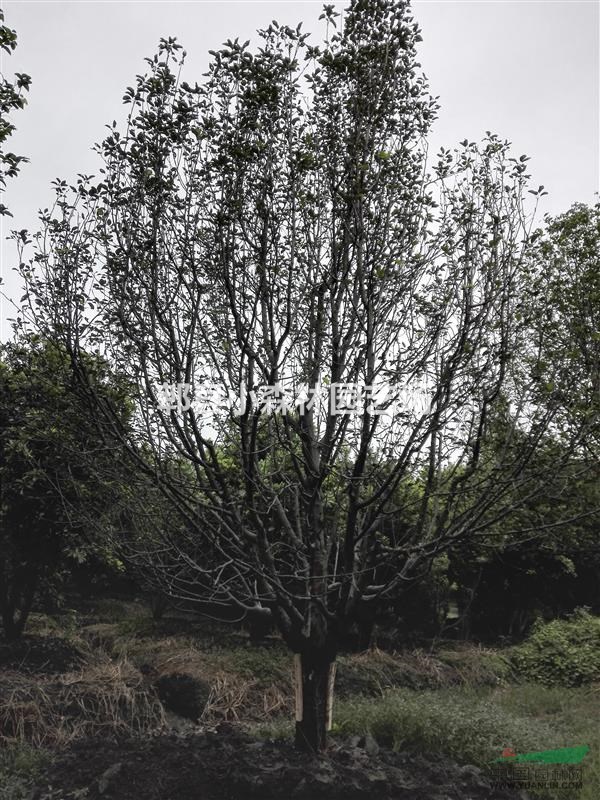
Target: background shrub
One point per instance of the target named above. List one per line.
(564, 652)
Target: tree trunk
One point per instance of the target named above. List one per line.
(365, 633)
(14, 623)
(314, 694)
(16, 605)
(260, 624)
(158, 605)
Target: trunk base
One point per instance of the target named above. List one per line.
(314, 692)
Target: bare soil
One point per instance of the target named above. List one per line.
(227, 764)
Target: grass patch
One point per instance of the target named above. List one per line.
(251, 684)
(375, 671)
(245, 683)
(20, 765)
(39, 624)
(473, 725)
(276, 729)
(265, 665)
(573, 712)
(463, 723)
(138, 625)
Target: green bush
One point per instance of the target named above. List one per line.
(561, 652)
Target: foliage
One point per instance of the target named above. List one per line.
(564, 652)
(541, 559)
(566, 283)
(11, 99)
(56, 477)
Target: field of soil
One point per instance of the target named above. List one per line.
(228, 765)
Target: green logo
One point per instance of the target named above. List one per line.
(564, 755)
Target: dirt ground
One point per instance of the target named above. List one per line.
(226, 764)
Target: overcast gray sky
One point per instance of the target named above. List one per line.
(525, 69)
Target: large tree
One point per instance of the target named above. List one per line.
(278, 225)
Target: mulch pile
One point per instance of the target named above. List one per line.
(226, 764)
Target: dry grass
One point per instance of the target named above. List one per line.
(105, 697)
(256, 684)
(476, 665)
(110, 694)
(234, 699)
(235, 693)
(374, 671)
(100, 636)
(245, 683)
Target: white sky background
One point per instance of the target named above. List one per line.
(528, 70)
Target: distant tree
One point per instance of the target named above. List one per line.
(278, 225)
(54, 477)
(11, 99)
(547, 552)
(543, 558)
(566, 287)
